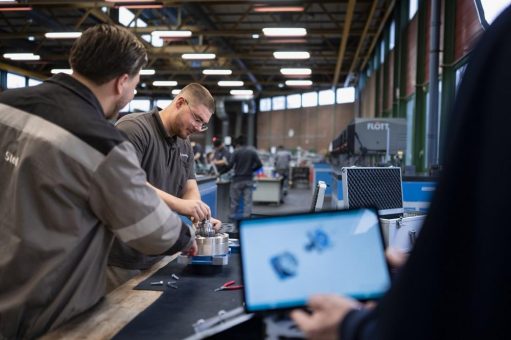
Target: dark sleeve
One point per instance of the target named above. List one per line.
(190, 162)
(359, 325)
(257, 162)
(136, 134)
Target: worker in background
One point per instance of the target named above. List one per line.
(282, 160)
(198, 154)
(69, 183)
(221, 157)
(456, 283)
(162, 146)
(244, 162)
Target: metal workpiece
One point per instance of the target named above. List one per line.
(216, 245)
(205, 229)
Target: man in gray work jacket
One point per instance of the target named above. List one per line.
(69, 183)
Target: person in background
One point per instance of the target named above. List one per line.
(244, 162)
(198, 153)
(222, 156)
(69, 183)
(456, 283)
(162, 146)
(282, 160)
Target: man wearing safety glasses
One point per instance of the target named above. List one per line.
(165, 153)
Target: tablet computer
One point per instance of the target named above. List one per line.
(285, 259)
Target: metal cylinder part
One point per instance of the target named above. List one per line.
(216, 245)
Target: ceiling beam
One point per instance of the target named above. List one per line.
(380, 28)
(363, 37)
(344, 40)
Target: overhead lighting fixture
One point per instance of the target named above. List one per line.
(230, 83)
(296, 71)
(298, 82)
(31, 38)
(241, 92)
(61, 70)
(291, 55)
(255, 36)
(140, 6)
(62, 35)
(171, 34)
(164, 83)
(8, 1)
(266, 9)
(127, 1)
(15, 8)
(175, 92)
(147, 72)
(284, 32)
(210, 71)
(21, 56)
(198, 56)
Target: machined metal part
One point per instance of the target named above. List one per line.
(205, 229)
(215, 245)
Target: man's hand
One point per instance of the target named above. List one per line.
(192, 251)
(193, 208)
(216, 223)
(395, 258)
(327, 312)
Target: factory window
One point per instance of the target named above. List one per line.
(162, 103)
(33, 82)
(345, 95)
(15, 81)
(382, 51)
(414, 6)
(265, 104)
(326, 97)
(392, 35)
(310, 99)
(140, 105)
(279, 103)
(294, 101)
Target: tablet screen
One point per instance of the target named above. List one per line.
(285, 259)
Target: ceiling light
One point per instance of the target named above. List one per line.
(284, 32)
(175, 92)
(31, 38)
(264, 9)
(15, 8)
(61, 70)
(232, 83)
(147, 72)
(255, 36)
(296, 71)
(129, 0)
(21, 56)
(164, 83)
(241, 92)
(8, 1)
(210, 71)
(196, 56)
(62, 35)
(171, 34)
(291, 55)
(140, 6)
(298, 82)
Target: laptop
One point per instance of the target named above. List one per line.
(285, 259)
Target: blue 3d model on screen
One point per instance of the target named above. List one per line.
(318, 240)
(285, 265)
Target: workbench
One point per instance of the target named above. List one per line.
(268, 189)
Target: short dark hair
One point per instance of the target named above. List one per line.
(217, 142)
(104, 52)
(198, 94)
(240, 140)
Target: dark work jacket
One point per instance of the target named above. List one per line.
(245, 161)
(457, 281)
